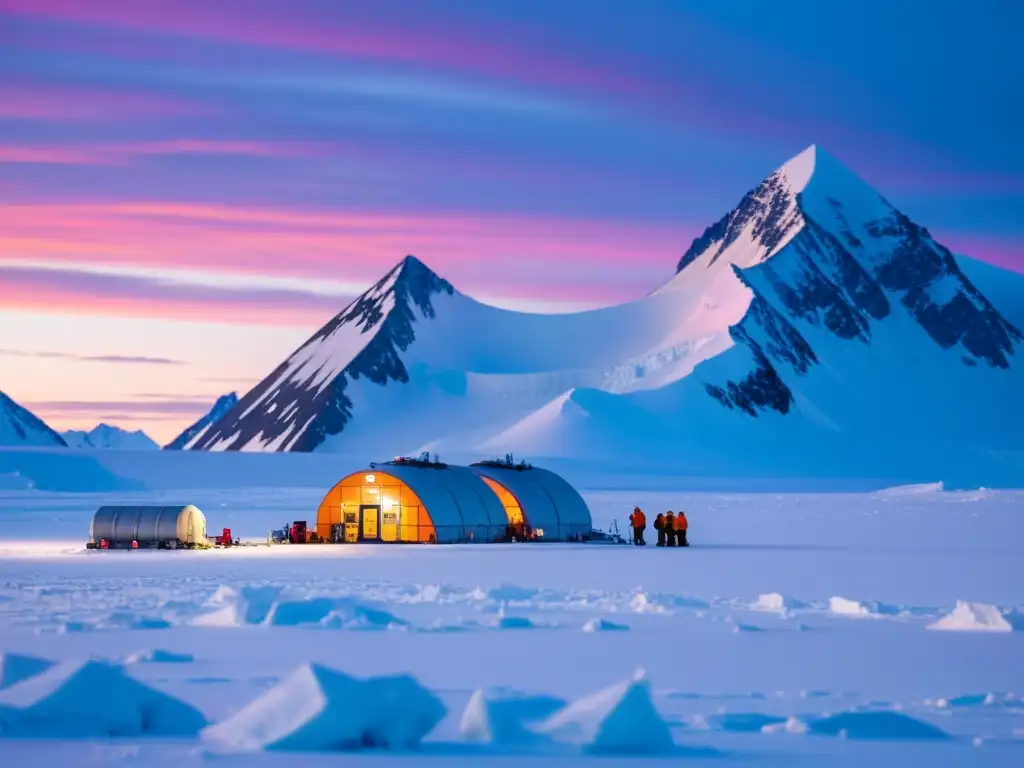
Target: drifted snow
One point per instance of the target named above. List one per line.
(805, 546)
(273, 606)
(317, 709)
(973, 617)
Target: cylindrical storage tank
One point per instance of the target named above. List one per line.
(149, 525)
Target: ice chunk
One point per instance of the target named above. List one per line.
(640, 603)
(973, 617)
(159, 656)
(744, 722)
(231, 607)
(347, 613)
(603, 625)
(883, 725)
(320, 709)
(14, 667)
(92, 699)
(618, 719)
(773, 602)
(503, 716)
(476, 723)
(791, 725)
(859, 609)
(512, 622)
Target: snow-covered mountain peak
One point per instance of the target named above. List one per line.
(796, 172)
(386, 308)
(765, 220)
(19, 426)
(814, 301)
(770, 215)
(364, 340)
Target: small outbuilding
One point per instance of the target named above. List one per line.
(182, 525)
(417, 500)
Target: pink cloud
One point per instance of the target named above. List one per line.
(360, 245)
(52, 156)
(67, 103)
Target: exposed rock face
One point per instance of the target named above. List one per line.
(219, 410)
(305, 400)
(815, 299)
(839, 258)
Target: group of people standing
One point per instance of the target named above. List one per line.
(671, 528)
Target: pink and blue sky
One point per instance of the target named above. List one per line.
(189, 188)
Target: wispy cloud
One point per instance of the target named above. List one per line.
(129, 152)
(90, 104)
(116, 359)
(349, 34)
(173, 409)
(71, 291)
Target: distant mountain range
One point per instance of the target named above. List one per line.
(813, 315)
(20, 427)
(107, 437)
(813, 329)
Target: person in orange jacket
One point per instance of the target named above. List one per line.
(659, 526)
(639, 522)
(681, 525)
(670, 529)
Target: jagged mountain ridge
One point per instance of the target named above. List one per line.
(220, 408)
(413, 328)
(367, 337)
(778, 308)
(819, 266)
(20, 427)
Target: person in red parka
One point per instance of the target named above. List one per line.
(681, 525)
(659, 526)
(638, 521)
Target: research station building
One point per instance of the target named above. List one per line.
(419, 501)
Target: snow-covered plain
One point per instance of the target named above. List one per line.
(798, 629)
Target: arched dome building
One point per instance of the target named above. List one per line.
(409, 500)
